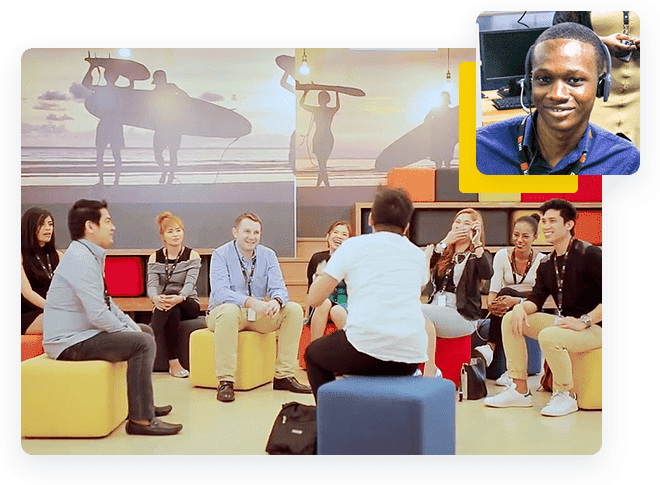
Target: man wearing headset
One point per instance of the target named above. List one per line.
(566, 69)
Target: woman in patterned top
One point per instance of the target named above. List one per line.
(335, 306)
(171, 284)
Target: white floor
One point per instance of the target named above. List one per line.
(243, 427)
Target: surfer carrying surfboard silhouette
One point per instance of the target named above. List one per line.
(323, 140)
(167, 134)
(109, 130)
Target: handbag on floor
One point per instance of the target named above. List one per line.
(473, 380)
(546, 378)
(294, 431)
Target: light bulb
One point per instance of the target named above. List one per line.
(304, 69)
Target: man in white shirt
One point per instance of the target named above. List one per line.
(384, 272)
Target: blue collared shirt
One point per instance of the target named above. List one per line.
(229, 285)
(75, 307)
(497, 152)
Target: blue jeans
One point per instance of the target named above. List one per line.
(138, 349)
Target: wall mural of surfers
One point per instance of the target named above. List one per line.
(167, 110)
(288, 65)
(322, 116)
(435, 139)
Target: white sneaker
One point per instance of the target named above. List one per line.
(560, 404)
(486, 352)
(504, 380)
(510, 399)
(418, 373)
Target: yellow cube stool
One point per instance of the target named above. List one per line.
(588, 378)
(63, 399)
(256, 359)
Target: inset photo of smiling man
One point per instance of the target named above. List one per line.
(560, 93)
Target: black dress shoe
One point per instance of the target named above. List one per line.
(155, 428)
(225, 391)
(291, 384)
(162, 410)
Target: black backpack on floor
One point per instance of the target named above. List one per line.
(294, 431)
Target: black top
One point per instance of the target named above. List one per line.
(583, 280)
(468, 294)
(338, 295)
(37, 275)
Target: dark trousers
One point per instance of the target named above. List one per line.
(495, 332)
(165, 326)
(138, 349)
(334, 355)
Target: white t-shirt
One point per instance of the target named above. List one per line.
(384, 273)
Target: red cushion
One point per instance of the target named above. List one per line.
(31, 346)
(124, 275)
(305, 338)
(451, 354)
(590, 189)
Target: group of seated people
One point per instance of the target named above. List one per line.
(370, 286)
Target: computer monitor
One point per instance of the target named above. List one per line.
(503, 53)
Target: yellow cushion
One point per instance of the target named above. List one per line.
(488, 197)
(588, 378)
(256, 359)
(72, 399)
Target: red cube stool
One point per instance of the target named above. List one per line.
(451, 354)
(124, 275)
(31, 346)
(305, 338)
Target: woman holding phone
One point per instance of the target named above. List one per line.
(458, 263)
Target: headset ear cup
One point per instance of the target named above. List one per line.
(527, 82)
(605, 81)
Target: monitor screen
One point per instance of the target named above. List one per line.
(503, 53)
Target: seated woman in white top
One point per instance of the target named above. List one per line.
(514, 274)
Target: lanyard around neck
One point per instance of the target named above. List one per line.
(526, 165)
(559, 274)
(248, 279)
(106, 295)
(513, 266)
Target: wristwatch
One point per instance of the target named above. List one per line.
(443, 246)
(586, 319)
(279, 300)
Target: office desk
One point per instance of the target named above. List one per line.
(490, 114)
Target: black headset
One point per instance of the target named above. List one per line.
(604, 81)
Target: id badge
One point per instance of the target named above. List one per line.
(441, 300)
(251, 315)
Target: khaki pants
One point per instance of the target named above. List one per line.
(228, 319)
(555, 343)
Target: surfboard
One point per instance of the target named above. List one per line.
(287, 63)
(131, 70)
(168, 111)
(434, 139)
(327, 87)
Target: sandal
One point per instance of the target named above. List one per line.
(181, 374)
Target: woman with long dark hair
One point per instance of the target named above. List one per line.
(172, 286)
(458, 263)
(39, 258)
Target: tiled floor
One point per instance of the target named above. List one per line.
(243, 427)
